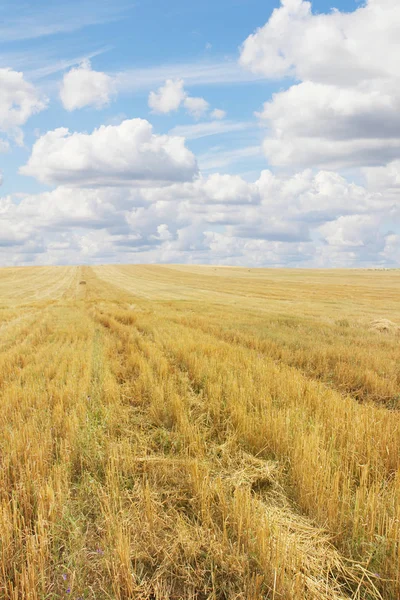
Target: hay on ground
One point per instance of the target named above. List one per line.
(384, 326)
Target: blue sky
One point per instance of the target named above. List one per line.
(154, 36)
(299, 166)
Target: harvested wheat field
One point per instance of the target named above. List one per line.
(199, 432)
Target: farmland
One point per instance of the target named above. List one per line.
(174, 432)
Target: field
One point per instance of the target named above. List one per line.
(199, 433)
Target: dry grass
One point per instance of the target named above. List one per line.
(385, 326)
(172, 432)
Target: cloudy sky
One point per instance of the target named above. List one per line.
(243, 132)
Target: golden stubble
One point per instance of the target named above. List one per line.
(199, 432)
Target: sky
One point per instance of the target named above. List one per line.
(261, 133)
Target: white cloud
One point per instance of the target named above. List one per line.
(310, 219)
(322, 152)
(19, 100)
(384, 178)
(111, 155)
(163, 233)
(126, 194)
(172, 95)
(82, 86)
(168, 98)
(218, 113)
(346, 109)
(317, 124)
(227, 189)
(391, 252)
(65, 207)
(333, 48)
(357, 240)
(196, 107)
(351, 231)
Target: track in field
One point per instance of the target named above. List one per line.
(198, 432)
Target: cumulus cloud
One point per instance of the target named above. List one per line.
(196, 107)
(19, 100)
(310, 219)
(317, 124)
(82, 86)
(172, 95)
(296, 42)
(168, 97)
(111, 155)
(391, 252)
(227, 189)
(345, 110)
(125, 194)
(384, 178)
(357, 240)
(352, 231)
(163, 233)
(218, 113)
(64, 208)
